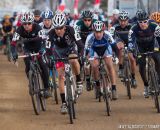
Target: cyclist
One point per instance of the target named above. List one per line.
(84, 27)
(47, 21)
(99, 43)
(33, 37)
(143, 37)
(115, 15)
(47, 25)
(121, 31)
(64, 42)
(37, 16)
(7, 28)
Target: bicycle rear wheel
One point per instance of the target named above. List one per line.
(33, 89)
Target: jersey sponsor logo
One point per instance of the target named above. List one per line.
(77, 36)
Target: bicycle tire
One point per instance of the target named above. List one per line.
(41, 87)
(106, 95)
(34, 95)
(153, 77)
(55, 87)
(127, 79)
(69, 100)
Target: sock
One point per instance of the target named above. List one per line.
(113, 87)
(87, 78)
(145, 83)
(78, 78)
(63, 98)
(97, 83)
(120, 66)
(133, 75)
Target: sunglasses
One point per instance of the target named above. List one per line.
(145, 21)
(27, 23)
(87, 20)
(59, 28)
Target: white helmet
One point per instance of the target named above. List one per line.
(59, 20)
(115, 11)
(98, 26)
(27, 17)
(67, 12)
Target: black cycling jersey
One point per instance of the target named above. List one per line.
(145, 39)
(34, 42)
(70, 38)
(83, 29)
(122, 33)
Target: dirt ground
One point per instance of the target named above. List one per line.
(16, 111)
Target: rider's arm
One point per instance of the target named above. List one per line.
(88, 43)
(131, 38)
(77, 39)
(109, 37)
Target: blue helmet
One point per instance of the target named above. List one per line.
(47, 14)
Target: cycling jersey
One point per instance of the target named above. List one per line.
(121, 34)
(83, 29)
(145, 39)
(45, 29)
(70, 38)
(101, 47)
(34, 42)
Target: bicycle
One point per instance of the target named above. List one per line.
(126, 79)
(105, 85)
(70, 85)
(36, 87)
(152, 78)
(52, 80)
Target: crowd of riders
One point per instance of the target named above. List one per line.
(88, 35)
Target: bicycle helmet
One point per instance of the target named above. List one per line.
(67, 12)
(87, 14)
(123, 15)
(27, 17)
(115, 11)
(98, 26)
(155, 16)
(37, 12)
(59, 20)
(47, 14)
(141, 15)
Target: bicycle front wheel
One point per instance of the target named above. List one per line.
(41, 87)
(154, 83)
(127, 79)
(70, 102)
(106, 95)
(33, 89)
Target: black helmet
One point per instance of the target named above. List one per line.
(141, 15)
(37, 12)
(87, 14)
(123, 15)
